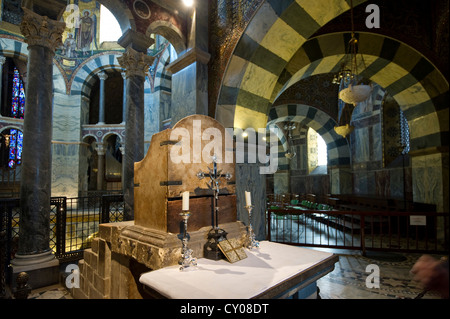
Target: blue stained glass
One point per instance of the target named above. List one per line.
(19, 147)
(15, 148)
(18, 96)
(17, 111)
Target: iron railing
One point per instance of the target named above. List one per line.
(74, 222)
(421, 232)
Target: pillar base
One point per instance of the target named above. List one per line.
(42, 268)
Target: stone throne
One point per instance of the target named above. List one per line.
(171, 165)
(124, 250)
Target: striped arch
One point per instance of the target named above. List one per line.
(276, 32)
(322, 123)
(85, 75)
(274, 49)
(162, 79)
(417, 85)
(13, 48)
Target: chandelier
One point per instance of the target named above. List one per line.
(354, 90)
(289, 127)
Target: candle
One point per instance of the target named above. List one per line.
(248, 199)
(185, 200)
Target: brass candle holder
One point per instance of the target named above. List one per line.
(251, 241)
(187, 258)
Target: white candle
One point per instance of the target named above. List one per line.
(248, 199)
(185, 200)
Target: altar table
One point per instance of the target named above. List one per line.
(271, 271)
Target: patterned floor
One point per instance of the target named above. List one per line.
(51, 292)
(351, 279)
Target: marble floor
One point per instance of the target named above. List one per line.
(354, 277)
(346, 281)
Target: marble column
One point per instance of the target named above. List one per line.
(101, 107)
(124, 102)
(430, 184)
(2, 61)
(249, 177)
(136, 62)
(341, 180)
(100, 148)
(190, 70)
(42, 36)
(122, 151)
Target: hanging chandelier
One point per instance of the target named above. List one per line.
(354, 90)
(289, 127)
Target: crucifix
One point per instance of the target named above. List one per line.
(211, 249)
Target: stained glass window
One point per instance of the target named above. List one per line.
(17, 111)
(18, 97)
(15, 148)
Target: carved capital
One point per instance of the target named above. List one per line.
(135, 63)
(100, 148)
(42, 31)
(102, 76)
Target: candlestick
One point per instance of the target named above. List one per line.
(187, 258)
(251, 237)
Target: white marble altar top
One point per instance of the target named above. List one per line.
(264, 268)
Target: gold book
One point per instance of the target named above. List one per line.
(232, 250)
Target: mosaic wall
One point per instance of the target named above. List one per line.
(228, 20)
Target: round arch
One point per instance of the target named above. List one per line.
(169, 31)
(108, 135)
(87, 136)
(276, 32)
(85, 75)
(418, 86)
(121, 12)
(273, 53)
(322, 123)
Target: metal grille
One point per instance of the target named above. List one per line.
(74, 222)
(386, 231)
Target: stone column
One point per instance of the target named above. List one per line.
(101, 107)
(136, 62)
(341, 180)
(2, 61)
(190, 70)
(430, 182)
(124, 103)
(34, 254)
(101, 165)
(249, 178)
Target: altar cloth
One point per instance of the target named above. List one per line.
(265, 273)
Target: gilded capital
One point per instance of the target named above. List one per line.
(135, 63)
(42, 31)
